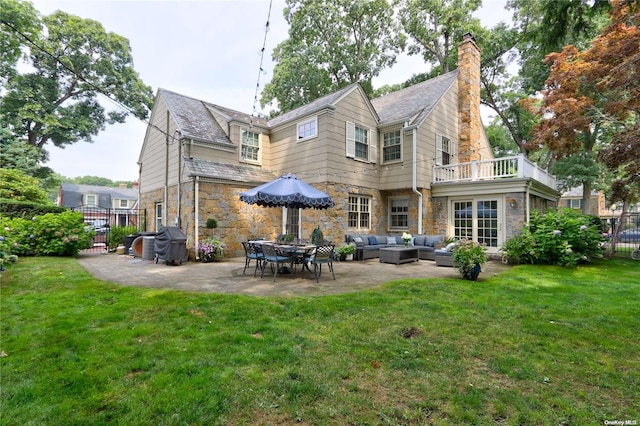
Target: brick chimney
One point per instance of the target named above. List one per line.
(469, 120)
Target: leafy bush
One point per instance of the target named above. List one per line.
(117, 234)
(61, 234)
(6, 258)
(564, 237)
(27, 209)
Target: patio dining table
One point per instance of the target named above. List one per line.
(297, 253)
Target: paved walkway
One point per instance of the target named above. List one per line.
(227, 276)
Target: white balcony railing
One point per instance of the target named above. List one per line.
(499, 168)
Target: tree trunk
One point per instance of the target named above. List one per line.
(586, 197)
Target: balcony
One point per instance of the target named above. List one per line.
(499, 168)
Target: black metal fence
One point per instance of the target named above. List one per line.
(627, 240)
(101, 220)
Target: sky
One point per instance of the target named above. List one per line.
(206, 49)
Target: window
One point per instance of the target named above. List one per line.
(124, 204)
(361, 143)
(574, 203)
(444, 150)
(292, 222)
(158, 216)
(359, 212)
(308, 129)
(391, 148)
(399, 213)
(250, 146)
(91, 200)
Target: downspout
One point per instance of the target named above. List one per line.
(414, 186)
(196, 218)
(526, 202)
(166, 177)
(180, 142)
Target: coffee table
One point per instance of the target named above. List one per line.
(399, 254)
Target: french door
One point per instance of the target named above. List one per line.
(478, 220)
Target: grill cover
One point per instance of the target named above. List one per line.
(170, 245)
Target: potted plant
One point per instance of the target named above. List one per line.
(469, 256)
(211, 249)
(211, 224)
(345, 252)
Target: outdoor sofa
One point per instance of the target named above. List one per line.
(368, 246)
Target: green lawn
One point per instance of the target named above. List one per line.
(533, 346)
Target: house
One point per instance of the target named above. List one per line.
(101, 205)
(572, 199)
(416, 160)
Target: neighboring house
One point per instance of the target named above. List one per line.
(416, 160)
(573, 199)
(101, 204)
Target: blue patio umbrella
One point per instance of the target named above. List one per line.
(287, 191)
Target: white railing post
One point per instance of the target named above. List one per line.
(521, 162)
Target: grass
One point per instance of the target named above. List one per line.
(532, 346)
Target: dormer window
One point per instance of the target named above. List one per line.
(91, 200)
(250, 148)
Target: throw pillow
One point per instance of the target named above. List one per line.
(391, 241)
(432, 239)
(451, 246)
(357, 239)
(373, 241)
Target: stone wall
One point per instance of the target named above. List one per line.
(470, 121)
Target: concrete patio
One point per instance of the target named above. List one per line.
(227, 277)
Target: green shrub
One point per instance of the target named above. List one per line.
(52, 234)
(564, 237)
(26, 209)
(117, 234)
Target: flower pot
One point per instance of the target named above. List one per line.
(473, 273)
(349, 257)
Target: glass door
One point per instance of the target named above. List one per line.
(477, 220)
(487, 222)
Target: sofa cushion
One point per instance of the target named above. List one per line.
(391, 241)
(430, 240)
(419, 240)
(381, 240)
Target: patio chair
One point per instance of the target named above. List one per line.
(252, 252)
(322, 255)
(273, 255)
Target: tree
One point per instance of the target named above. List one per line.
(24, 18)
(593, 99)
(74, 60)
(436, 27)
(331, 44)
(18, 186)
